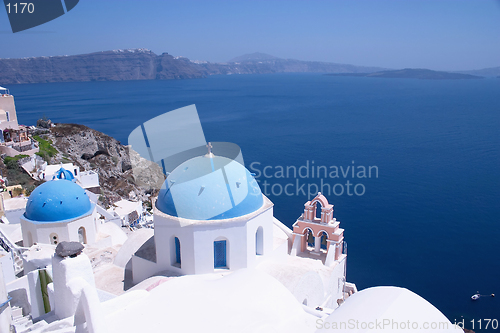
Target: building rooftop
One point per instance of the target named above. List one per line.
(209, 188)
(392, 305)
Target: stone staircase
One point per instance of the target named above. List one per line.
(24, 324)
(20, 322)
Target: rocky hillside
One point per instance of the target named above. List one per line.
(93, 150)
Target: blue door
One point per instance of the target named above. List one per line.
(220, 254)
(177, 250)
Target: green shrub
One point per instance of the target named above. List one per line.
(28, 189)
(11, 162)
(46, 149)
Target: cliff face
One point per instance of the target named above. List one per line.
(94, 150)
(141, 64)
(168, 67)
(101, 66)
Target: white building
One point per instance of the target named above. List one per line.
(8, 115)
(14, 139)
(211, 216)
(89, 180)
(129, 212)
(203, 224)
(59, 210)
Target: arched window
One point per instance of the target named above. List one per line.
(82, 235)
(176, 252)
(310, 238)
(318, 209)
(259, 241)
(324, 243)
(220, 254)
(54, 239)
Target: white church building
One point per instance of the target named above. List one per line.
(59, 210)
(211, 217)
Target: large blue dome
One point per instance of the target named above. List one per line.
(57, 200)
(209, 188)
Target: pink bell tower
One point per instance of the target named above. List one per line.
(320, 236)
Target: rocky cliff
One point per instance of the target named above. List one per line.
(142, 64)
(116, 65)
(93, 150)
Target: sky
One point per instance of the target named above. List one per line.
(437, 34)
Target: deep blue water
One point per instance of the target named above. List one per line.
(429, 222)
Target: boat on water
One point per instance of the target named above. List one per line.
(475, 297)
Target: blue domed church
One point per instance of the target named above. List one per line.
(210, 215)
(59, 210)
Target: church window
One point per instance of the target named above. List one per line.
(82, 235)
(220, 249)
(177, 251)
(54, 239)
(324, 237)
(310, 238)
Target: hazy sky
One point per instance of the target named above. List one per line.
(442, 35)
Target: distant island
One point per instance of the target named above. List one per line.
(487, 72)
(143, 64)
(411, 73)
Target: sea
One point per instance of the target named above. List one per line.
(422, 208)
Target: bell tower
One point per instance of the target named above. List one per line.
(318, 236)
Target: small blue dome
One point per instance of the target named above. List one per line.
(209, 188)
(57, 200)
(63, 174)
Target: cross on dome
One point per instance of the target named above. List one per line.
(209, 146)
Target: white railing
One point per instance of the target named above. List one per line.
(14, 250)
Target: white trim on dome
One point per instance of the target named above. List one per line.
(183, 221)
(89, 212)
